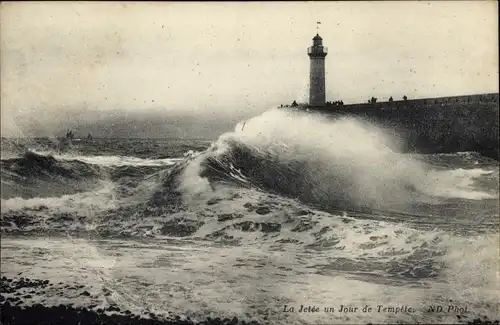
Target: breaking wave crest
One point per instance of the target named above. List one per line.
(341, 164)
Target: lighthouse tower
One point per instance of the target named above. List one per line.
(317, 54)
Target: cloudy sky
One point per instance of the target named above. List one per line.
(195, 69)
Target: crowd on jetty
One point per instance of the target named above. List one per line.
(372, 100)
(483, 99)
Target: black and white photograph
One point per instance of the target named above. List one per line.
(295, 163)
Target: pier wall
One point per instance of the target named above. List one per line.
(436, 125)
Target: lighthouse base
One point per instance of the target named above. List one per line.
(316, 107)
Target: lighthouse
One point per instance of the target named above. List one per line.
(317, 54)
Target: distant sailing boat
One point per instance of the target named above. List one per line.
(70, 135)
(66, 143)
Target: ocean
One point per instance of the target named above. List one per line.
(291, 218)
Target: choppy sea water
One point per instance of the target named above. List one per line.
(288, 210)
